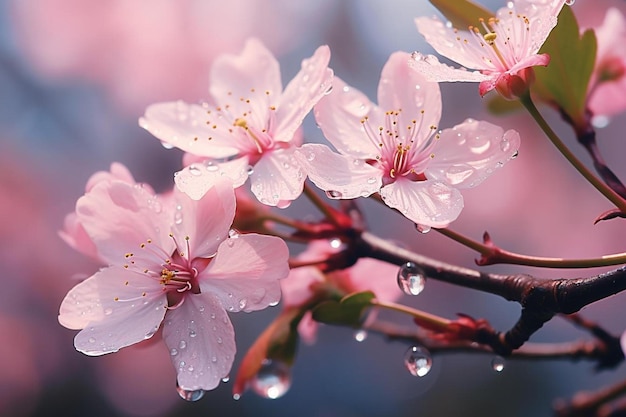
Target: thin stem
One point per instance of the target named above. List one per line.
(434, 322)
(286, 221)
(582, 169)
(495, 255)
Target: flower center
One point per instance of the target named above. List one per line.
(403, 153)
(249, 121)
(177, 273)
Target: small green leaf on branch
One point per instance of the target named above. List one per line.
(349, 311)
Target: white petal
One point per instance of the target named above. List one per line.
(278, 177)
(245, 273)
(469, 152)
(129, 308)
(196, 179)
(201, 341)
(426, 203)
(342, 176)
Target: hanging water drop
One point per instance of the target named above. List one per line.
(411, 279)
(233, 234)
(167, 145)
(497, 363)
(194, 170)
(189, 395)
(418, 361)
(360, 335)
(250, 170)
(273, 379)
(335, 243)
(226, 379)
(333, 194)
(212, 166)
(328, 90)
(600, 122)
(570, 2)
(422, 228)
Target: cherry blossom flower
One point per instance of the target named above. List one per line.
(394, 147)
(171, 261)
(303, 284)
(251, 130)
(502, 52)
(608, 82)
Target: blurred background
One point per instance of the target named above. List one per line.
(75, 75)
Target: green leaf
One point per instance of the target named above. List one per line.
(564, 81)
(462, 13)
(348, 311)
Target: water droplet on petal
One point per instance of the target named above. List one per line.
(515, 155)
(194, 170)
(250, 170)
(328, 90)
(108, 311)
(212, 166)
(173, 352)
(497, 363)
(570, 2)
(273, 379)
(411, 279)
(243, 303)
(92, 340)
(192, 333)
(335, 243)
(189, 395)
(178, 217)
(333, 194)
(418, 361)
(226, 379)
(182, 344)
(233, 234)
(360, 335)
(167, 145)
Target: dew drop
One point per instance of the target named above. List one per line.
(236, 397)
(333, 194)
(212, 166)
(360, 335)
(600, 121)
(497, 363)
(272, 381)
(515, 155)
(226, 379)
(371, 180)
(173, 352)
(250, 170)
(335, 243)
(194, 170)
(328, 90)
(310, 156)
(273, 304)
(418, 361)
(167, 145)
(192, 333)
(182, 344)
(92, 340)
(570, 2)
(243, 303)
(411, 279)
(422, 228)
(178, 217)
(108, 311)
(151, 333)
(233, 234)
(189, 395)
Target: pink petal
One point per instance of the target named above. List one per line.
(339, 115)
(278, 177)
(196, 179)
(247, 76)
(608, 98)
(471, 151)
(118, 172)
(119, 217)
(206, 221)
(404, 89)
(541, 15)
(118, 307)
(444, 40)
(342, 176)
(201, 341)
(76, 237)
(296, 288)
(427, 203)
(302, 93)
(307, 328)
(185, 126)
(530, 61)
(245, 273)
(433, 70)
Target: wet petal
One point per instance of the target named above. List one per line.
(430, 67)
(344, 175)
(185, 126)
(196, 179)
(245, 273)
(118, 307)
(201, 341)
(426, 203)
(471, 151)
(278, 177)
(339, 115)
(302, 93)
